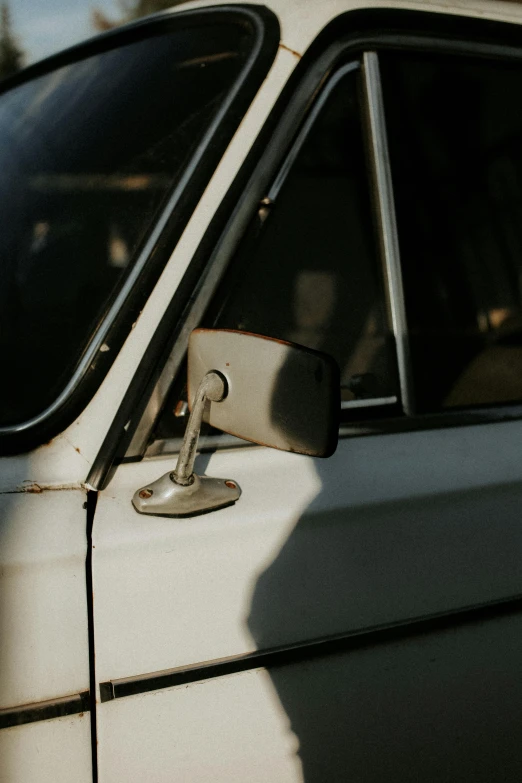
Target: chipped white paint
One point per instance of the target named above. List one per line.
(36, 489)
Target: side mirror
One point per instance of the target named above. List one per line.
(267, 391)
(278, 394)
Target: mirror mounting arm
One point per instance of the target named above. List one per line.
(182, 493)
(213, 387)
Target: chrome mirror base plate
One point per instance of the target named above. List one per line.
(166, 498)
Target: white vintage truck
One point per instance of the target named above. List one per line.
(179, 601)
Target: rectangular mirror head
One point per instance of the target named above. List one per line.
(278, 394)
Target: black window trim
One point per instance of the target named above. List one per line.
(371, 30)
(96, 360)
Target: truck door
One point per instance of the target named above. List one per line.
(334, 617)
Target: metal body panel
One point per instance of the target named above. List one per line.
(389, 528)
(418, 709)
(230, 729)
(43, 604)
(44, 651)
(47, 751)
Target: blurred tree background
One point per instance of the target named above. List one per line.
(130, 10)
(42, 27)
(11, 55)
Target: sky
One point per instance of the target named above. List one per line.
(43, 27)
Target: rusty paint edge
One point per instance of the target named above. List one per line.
(36, 488)
(293, 51)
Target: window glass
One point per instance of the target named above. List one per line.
(455, 139)
(88, 155)
(308, 269)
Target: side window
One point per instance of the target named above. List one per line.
(308, 269)
(96, 152)
(455, 140)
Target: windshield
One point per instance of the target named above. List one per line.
(88, 154)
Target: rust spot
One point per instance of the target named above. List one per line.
(231, 484)
(146, 493)
(35, 488)
(80, 714)
(77, 449)
(227, 364)
(292, 51)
